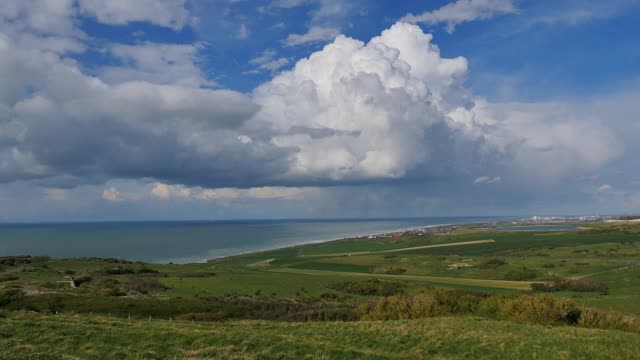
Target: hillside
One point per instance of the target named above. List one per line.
(466, 293)
(29, 336)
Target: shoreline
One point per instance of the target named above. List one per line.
(428, 230)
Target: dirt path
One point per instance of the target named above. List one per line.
(475, 242)
(499, 284)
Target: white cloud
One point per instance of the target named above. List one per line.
(112, 194)
(168, 13)
(575, 13)
(161, 191)
(268, 61)
(243, 32)
(461, 11)
(487, 180)
(40, 16)
(165, 192)
(604, 188)
(315, 34)
(365, 110)
(351, 113)
(394, 106)
(174, 64)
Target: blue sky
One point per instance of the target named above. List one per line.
(218, 109)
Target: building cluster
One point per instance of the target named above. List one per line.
(422, 231)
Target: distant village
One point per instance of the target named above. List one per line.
(440, 230)
(422, 231)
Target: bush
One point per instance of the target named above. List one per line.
(118, 270)
(145, 286)
(82, 279)
(492, 263)
(399, 307)
(592, 318)
(523, 274)
(543, 309)
(395, 271)
(12, 299)
(198, 275)
(5, 278)
(373, 287)
(578, 285)
(144, 269)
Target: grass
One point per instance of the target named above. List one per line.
(296, 281)
(32, 336)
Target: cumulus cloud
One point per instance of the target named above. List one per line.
(168, 13)
(315, 34)
(165, 191)
(112, 194)
(175, 64)
(40, 16)
(352, 113)
(78, 125)
(461, 11)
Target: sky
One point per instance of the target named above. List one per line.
(259, 109)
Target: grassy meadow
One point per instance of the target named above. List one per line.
(467, 294)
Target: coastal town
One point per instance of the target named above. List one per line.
(442, 230)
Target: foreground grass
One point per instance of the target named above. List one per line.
(34, 336)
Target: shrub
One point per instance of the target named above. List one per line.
(398, 307)
(542, 309)
(144, 269)
(12, 298)
(118, 270)
(522, 274)
(395, 271)
(9, 277)
(372, 287)
(198, 275)
(592, 318)
(492, 263)
(82, 279)
(145, 286)
(55, 304)
(204, 316)
(578, 285)
(491, 306)
(55, 285)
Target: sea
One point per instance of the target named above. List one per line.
(194, 241)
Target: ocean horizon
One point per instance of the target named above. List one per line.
(185, 241)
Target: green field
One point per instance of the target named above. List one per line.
(474, 284)
(27, 336)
